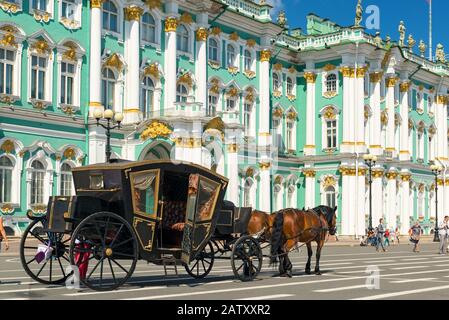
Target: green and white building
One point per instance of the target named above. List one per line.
(286, 115)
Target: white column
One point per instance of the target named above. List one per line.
(359, 210)
(310, 175)
(391, 142)
(309, 148)
(201, 58)
(265, 187)
(346, 203)
(264, 98)
(441, 121)
(97, 145)
(348, 109)
(233, 173)
(441, 212)
(404, 152)
(375, 123)
(446, 197)
(405, 198)
(391, 199)
(359, 109)
(132, 58)
(378, 192)
(95, 57)
(171, 23)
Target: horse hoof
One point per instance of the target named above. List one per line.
(318, 273)
(308, 272)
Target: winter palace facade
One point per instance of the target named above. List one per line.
(286, 114)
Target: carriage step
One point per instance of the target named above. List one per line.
(169, 261)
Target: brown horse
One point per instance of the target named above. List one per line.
(261, 221)
(292, 226)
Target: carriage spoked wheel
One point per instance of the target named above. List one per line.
(50, 269)
(202, 265)
(104, 248)
(246, 258)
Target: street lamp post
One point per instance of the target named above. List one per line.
(370, 161)
(436, 170)
(108, 115)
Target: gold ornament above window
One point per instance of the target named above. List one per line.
(216, 31)
(7, 146)
(277, 67)
(186, 78)
(251, 43)
(41, 16)
(41, 47)
(234, 36)
(329, 67)
(214, 86)
(155, 130)
(171, 24)
(153, 4)
(233, 92)
(186, 18)
(96, 3)
(329, 113)
(201, 34)
(152, 70)
(114, 61)
(9, 7)
(133, 13)
(329, 181)
(69, 153)
(9, 40)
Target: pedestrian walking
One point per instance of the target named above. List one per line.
(387, 238)
(3, 237)
(397, 233)
(380, 235)
(415, 234)
(443, 230)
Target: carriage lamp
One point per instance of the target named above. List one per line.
(436, 170)
(370, 161)
(109, 116)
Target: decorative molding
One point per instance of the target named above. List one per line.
(391, 175)
(41, 16)
(96, 4)
(216, 31)
(264, 166)
(277, 67)
(391, 82)
(186, 18)
(133, 13)
(171, 24)
(375, 77)
(309, 173)
(249, 74)
(234, 36)
(265, 55)
(232, 148)
(156, 129)
(405, 86)
(114, 61)
(201, 34)
(442, 100)
(7, 146)
(153, 4)
(152, 70)
(251, 43)
(9, 7)
(329, 67)
(310, 77)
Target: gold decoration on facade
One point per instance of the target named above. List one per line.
(251, 43)
(391, 175)
(358, 14)
(277, 67)
(391, 82)
(114, 61)
(154, 4)
(9, 7)
(411, 42)
(432, 130)
(440, 55)
(96, 4)
(375, 77)
(292, 69)
(186, 78)
(277, 112)
(410, 124)
(405, 86)
(7, 146)
(277, 93)
(233, 70)
(422, 48)
(292, 115)
(234, 36)
(232, 148)
(329, 67)
(233, 92)
(133, 13)
(8, 40)
(152, 70)
(440, 99)
(249, 74)
(347, 72)
(406, 177)
(201, 34)
(249, 172)
(41, 16)
(264, 165)
(250, 94)
(384, 117)
(330, 94)
(265, 55)
(310, 77)
(378, 173)
(214, 86)
(309, 173)
(329, 181)
(186, 18)
(361, 72)
(69, 153)
(216, 31)
(291, 97)
(171, 24)
(41, 47)
(156, 129)
(329, 113)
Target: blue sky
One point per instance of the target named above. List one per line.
(414, 13)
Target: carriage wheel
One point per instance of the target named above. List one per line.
(201, 266)
(246, 258)
(49, 271)
(104, 248)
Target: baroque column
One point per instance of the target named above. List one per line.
(390, 215)
(264, 108)
(309, 148)
(265, 187)
(359, 109)
(171, 24)
(132, 57)
(404, 152)
(441, 122)
(378, 174)
(375, 124)
(310, 175)
(405, 201)
(201, 59)
(347, 196)
(232, 164)
(390, 83)
(348, 109)
(95, 57)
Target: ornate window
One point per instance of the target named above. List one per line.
(248, 199)
(213, 50)
(66, 184)
(276, 82)
(231, 56)
(40, 5)
(290, 135)
(108, 89)
(330, 85)
(231, 104)
(330, 196)
(6, 171)
(68, 74)
(147, 101)
(212, 105)
(290, 87)
(37, 182)
(248, 60)
(110, 17)
(247, 118)
(329, 116)
(38, 77)
(70, 13)
(183, 38)
(331, 134)
(68, 9)
(181, 93)
(148, 28)
(7, 63)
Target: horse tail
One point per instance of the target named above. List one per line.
(277, 239)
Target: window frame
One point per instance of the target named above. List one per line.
(143, 96)
(182, 97)
(64, 174)
(187, 37)
(115, 33)
(74, 23)
(6, 62)
(47, 72)
(3, 169)
(114, 106)
(147, 25)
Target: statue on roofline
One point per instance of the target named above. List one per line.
(358, 14)
(401, 30)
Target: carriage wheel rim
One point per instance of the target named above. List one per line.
(245, 258)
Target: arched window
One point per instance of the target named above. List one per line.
(289, 86)
(37, 182)
(331, 83)
(231, 55)
(6, 167)
(291, 196)
(147, 97)
(7, 60)
(181, 93)
(331, 133)
(276, 82)
(248, 59)
(110, 16)
(40, 5)
(66, 180)
(182, 37)
(330, 196)
(68, 73)
(278, 197)
(247, 123)
(247, 194)
(213, 103)
(108, 89)
(231, 104)
(290, 135)
(39, 76)
(148, 28)
(213, 50)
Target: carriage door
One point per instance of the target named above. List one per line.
(145, 200)
(201, 201)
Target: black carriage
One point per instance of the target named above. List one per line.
(159, 211)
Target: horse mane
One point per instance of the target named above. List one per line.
(327, 212)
